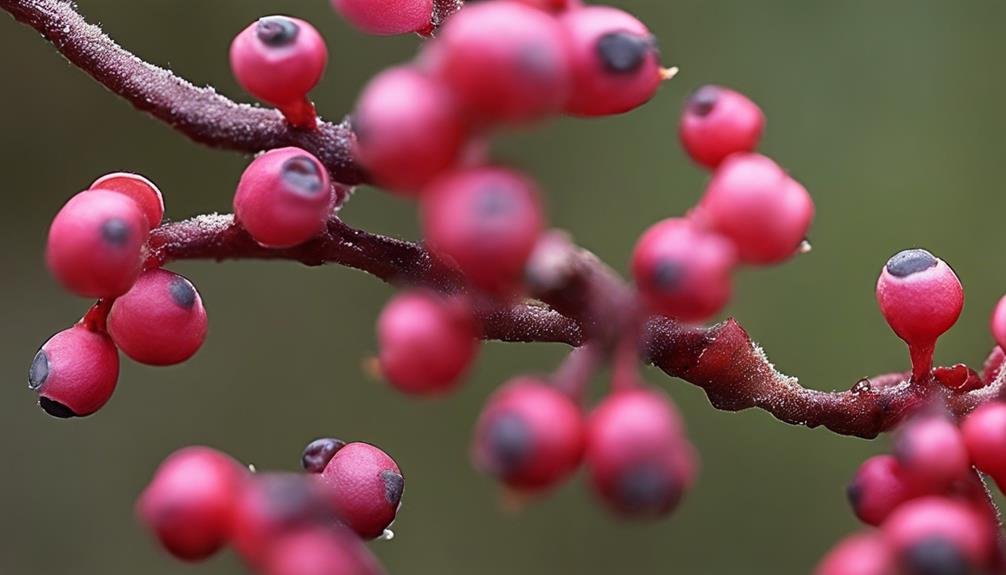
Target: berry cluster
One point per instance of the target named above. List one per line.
(279, 523)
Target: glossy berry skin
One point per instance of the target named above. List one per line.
(530, 435)
(755, 204)
(319, 452)
(365, 488)
(95, 246)
(507, 62)
(386, 17)
(615, 61)
(984, 432)
(139, 189)
(683, 271)
(427, 343)
(935, 530)
(718, 122)
(486, 221)
(75, 372)
(878, 488)
(920, 296)
(160, 321)
(859, 554)
(278, 59)
(284, 198)
(998, 323)
(931, 452)
(189, 505)
(408, 129)
(638, 460)
(320, 551)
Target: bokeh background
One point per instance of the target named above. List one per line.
(890, 112)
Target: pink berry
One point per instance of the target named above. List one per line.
(920, 296)
(190, 503)
(320, 551)
(279, 59)
(859, 554)
(934, 531)
(530, 435)
(140, 189)
(284, 198)
(160, 321)
(615, 61)
(408, 129)
(998, 323)
(752, 201)
(319, 452)
(683, 271)
(878, 488)
(984, 433)
(639, 462)
(95, 246)
(507, 62)
(75, 372)
(486, 221)
(718, 122)
(554, 6)
(386, 17)
(427, 343)
(931, 452)
(365, 487)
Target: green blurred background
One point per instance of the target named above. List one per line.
(890, 112)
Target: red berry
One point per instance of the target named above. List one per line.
(427, 343)
(920, 296)
(530, 435)
(96, 243)
(279, 59)
(319, 452)
(160, 321)
(507, 62)
(554, 6)
(878, 488)
(931, 452)
(615, 61)
(189, 504)
(140, 189)
(284, 198)
(718, 122)
(752, 201)
(984, 433)
(859, 554)
(408, 129)
(486, 220)
(386, 17)
(934, 531)
(683, 271)
(365, 487)
(998, 323)
(640, 464)
(75, 372)
(321, 551)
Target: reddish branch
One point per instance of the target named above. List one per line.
(586, 299)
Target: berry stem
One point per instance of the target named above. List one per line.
(301, 115)
(96, 318)
(922, 362)
(574, 374)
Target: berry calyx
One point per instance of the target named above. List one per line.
(931, 452)
(530, 435)
(279, 60)
(284, 198)
(365, 487)
(96, 243)
(386, 17)
(75, 372)
(408, 129)
(718, 122)
(683, 271)
(189, 505)
(160, 321)
(615, 61)
(427, 343)
(859, 554)
(319, 452)
(330, 550)
(878, 488)
(984, 432)
(486, 221)
(140, 189)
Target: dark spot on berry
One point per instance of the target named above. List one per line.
(302, 175)
(668, 275)
(293, 500)
(909, 262)
(276, 31)
(510, 443)
(854, 492)
(934, 556)
(647, 489)
(623, 52)
(182, 292)
(55, 408)
(539, 63)
(115, 231)
(394, 484)
(319, 452)
(492, 203)
(39, 370)
(702, 102)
